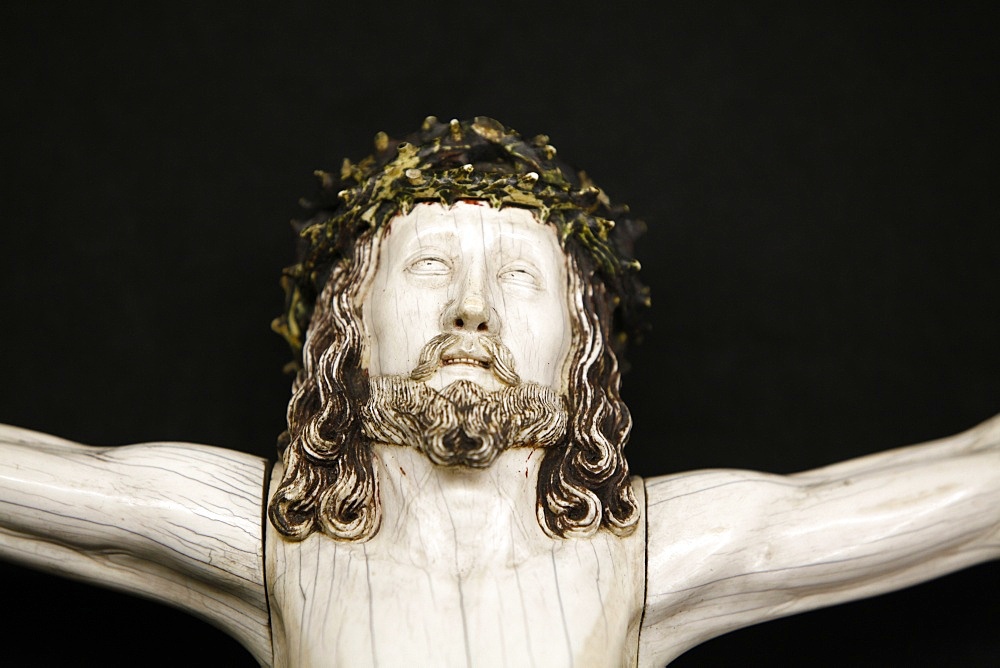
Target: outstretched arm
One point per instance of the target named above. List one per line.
(175, 522)
(728, 549)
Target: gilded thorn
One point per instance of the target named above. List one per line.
(468, 168)
(429, 123)
(550, 151)
(456, 129)
(325, 178)
(345, 168)
(540, 140)
(344, 194)
(530, 177)
(415, 176)
(381, 142)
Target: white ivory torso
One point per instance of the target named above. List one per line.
(459, 574)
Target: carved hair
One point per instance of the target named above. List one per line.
(330, 482)
(585, 485)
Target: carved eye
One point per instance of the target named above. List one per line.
(520, 276)
(429, 266)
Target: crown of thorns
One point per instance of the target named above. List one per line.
(479, 159)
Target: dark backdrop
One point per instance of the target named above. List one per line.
(820, 188)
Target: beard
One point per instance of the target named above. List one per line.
(463, 424)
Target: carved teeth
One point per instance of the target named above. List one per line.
(467, 360)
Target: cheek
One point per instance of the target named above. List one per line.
(542, 339)
(400, 319)
(377, 312)
(384, 334)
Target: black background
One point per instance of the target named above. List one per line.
(820, 187)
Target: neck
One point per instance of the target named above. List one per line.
(437, 513)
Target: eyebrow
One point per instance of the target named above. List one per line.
(420, 239)
(450, 237)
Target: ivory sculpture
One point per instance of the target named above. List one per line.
(451, 490)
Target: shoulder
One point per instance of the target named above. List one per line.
(708, 491)
(703, 530)
(698, 523)
(695, 519)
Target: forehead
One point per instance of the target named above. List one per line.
(508, 230)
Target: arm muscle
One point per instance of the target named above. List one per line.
(175, 522)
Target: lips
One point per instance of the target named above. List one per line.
(484, 352)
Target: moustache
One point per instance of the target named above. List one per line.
(499, 360)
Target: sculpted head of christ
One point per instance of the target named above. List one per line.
(467, 330)
(458, 293)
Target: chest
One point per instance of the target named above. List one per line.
(577, 603)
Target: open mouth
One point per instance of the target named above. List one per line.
(471, 361)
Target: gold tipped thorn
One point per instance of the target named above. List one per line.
(325, 178)
(345, 168)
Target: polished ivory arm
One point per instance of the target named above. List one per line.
(175, 522)
(728, 549)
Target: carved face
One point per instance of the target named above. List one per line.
(475, 271)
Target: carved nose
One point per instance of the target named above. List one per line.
(472, 314)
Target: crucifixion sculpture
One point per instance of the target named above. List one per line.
(452, 489)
